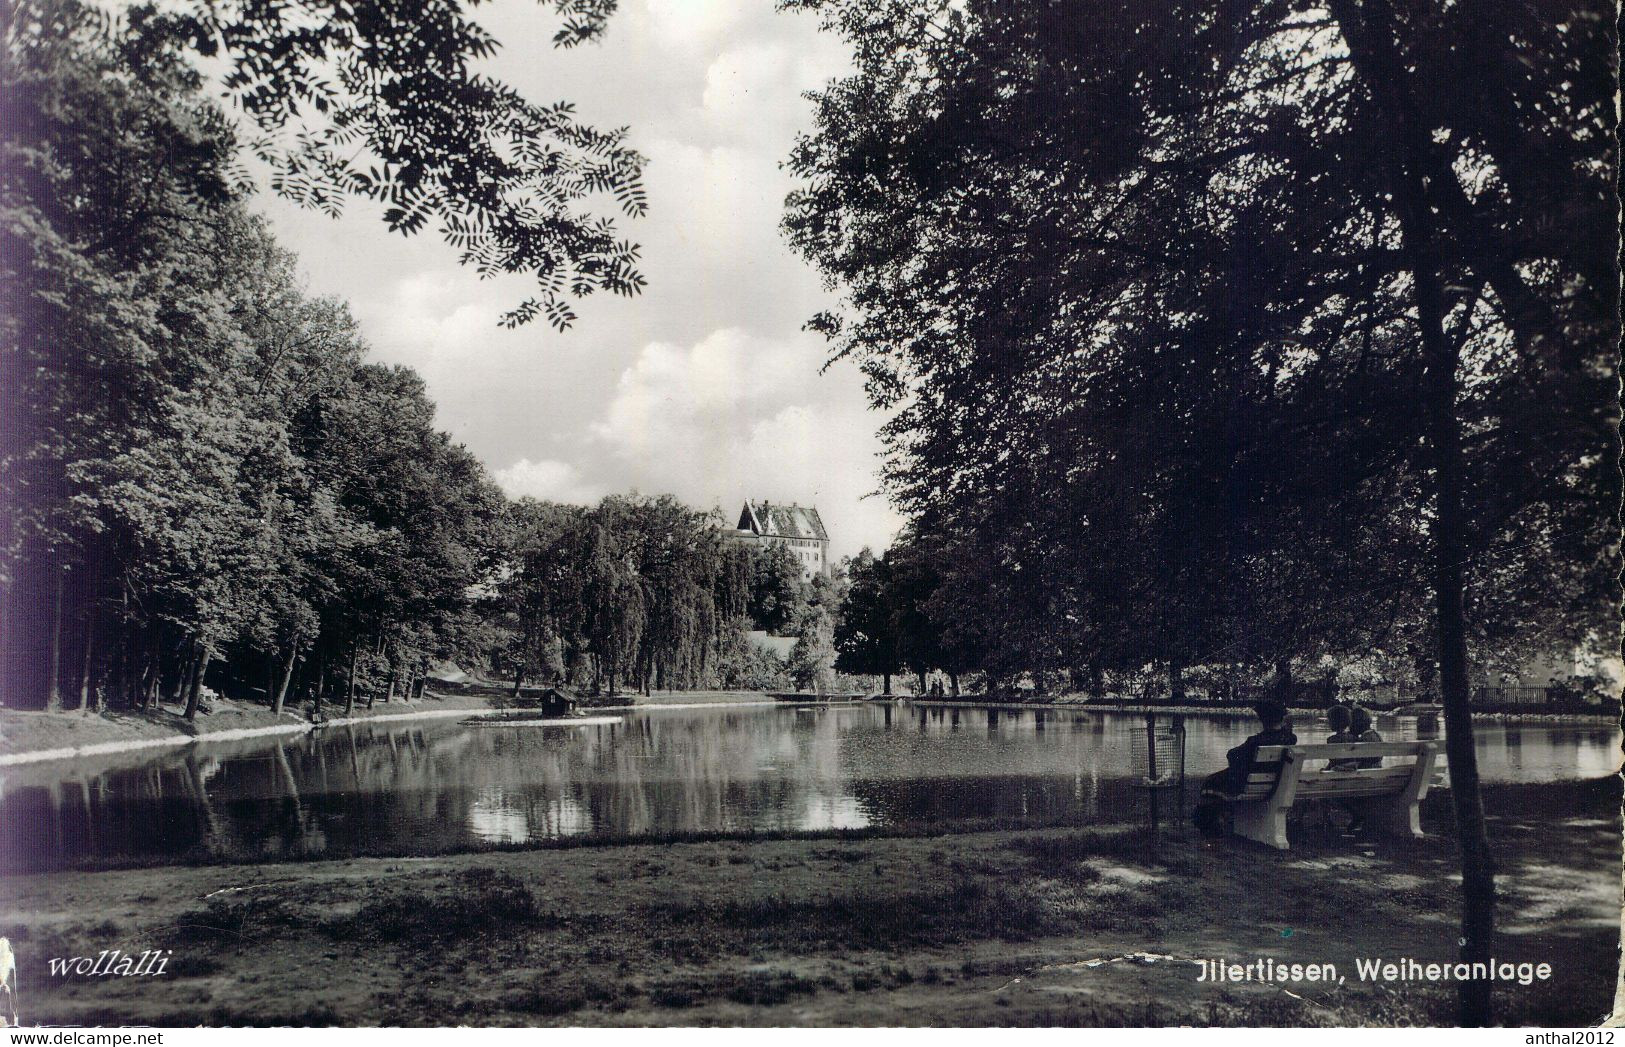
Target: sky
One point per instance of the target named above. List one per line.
(704, 386)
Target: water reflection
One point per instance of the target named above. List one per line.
(440, 785)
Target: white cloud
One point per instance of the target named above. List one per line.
(736, 416)
(548, 479)
(692, 22)
(698, 405)
(720, 201)
(430, 323)
(746, 87)
(723, 371)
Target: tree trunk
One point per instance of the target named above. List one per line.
(118, 674)
(953, 684)
(287, 676)
(183, 674)
(1282, 686)
(133, 687)
(320, 681)
(7, 643)
(87, 663)
(194, 692)
(1176, 681)
(518, 679)
(349, 683)
(155, 665)
(390, 692)
(885, 683)
(152, 667)
(53, 669)
(1382, 70)
(1449, 555)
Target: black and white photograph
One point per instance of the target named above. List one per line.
(810, 513)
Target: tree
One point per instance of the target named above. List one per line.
(1388, 45)
(646, 586)
(736, 576)
(383, 102)
(101, 172)
(1147, 316)
(743, 665)
(864, 636)
(432, 518)
(675, 553)
(812, 659)
(202, 480)
(531, 602)
(778, 595)
(886, 621)
(914, 581)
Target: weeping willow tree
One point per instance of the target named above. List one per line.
(646, 588)
(681, 635)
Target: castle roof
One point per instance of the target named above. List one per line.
(783, 521)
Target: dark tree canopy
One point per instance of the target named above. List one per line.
(1135, 288)
(1214, 331)
(865, 636)
(202, 480)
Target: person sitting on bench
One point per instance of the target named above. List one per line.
(1360, 727)
(1221, 786)
(1339, 718)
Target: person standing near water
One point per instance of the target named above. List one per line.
(1219, 788)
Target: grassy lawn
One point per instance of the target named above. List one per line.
(1034, 927)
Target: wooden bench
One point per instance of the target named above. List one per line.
(1284, 774)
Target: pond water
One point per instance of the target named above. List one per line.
(432, 786)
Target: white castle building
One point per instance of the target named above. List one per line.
(796, 527)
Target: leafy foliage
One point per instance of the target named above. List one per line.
(1139, 298)
(1220, 329)
(198, 467)
(384, 101)
(647, 591)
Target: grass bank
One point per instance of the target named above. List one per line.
(1076, 703)
(43, 735)
(28, 735)
(1067, 926)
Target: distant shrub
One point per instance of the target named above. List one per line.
(480, 901)
(546, 999)
(766, 988)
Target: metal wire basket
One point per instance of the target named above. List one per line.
(1159, 752)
